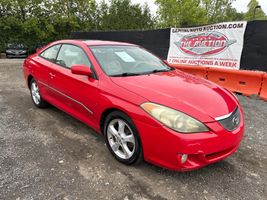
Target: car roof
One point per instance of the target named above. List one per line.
(96, 42)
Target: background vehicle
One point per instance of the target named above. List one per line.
(16, 50)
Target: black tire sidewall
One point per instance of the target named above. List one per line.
(137, 156)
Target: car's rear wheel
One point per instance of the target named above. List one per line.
(36, 95)
(122, 138)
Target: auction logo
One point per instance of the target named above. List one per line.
(204, 44)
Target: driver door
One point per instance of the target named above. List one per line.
(75, 94)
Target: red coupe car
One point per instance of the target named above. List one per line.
(144, 108)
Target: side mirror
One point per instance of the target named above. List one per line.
(81, 70)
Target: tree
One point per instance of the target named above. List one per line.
(180, 12)
(253, 9)
(195, 12)
(123, 15)
(220, 10)
(42, 21)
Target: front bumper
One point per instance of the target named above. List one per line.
(8, 55)
(164, 147)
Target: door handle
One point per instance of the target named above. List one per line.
(52, 75)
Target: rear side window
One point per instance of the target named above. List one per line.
(70, 55)
(51, 53)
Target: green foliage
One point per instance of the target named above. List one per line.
(254, 10)
(220, 10)
(177, 13)
(41, 21)
(180, 12)
(122, 15)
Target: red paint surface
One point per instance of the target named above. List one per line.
(162, 146)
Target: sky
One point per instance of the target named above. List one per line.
(240, 5)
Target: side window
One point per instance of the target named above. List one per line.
(70, 55)
(51, 53)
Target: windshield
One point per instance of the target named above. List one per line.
(127, 60)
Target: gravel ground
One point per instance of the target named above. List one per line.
(46, 154)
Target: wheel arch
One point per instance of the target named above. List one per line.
(30, 77)
(105, 114)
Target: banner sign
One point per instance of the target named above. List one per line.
(217, 45)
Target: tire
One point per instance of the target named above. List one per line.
(36, 95)
(124, 144)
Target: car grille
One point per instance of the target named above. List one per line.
(16, 51)
(232, 122)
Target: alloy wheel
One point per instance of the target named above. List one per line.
(121, 138)
(35, 93)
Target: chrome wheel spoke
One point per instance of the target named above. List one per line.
(35, 88)
(121, 126)
(115, 147)
(126, 150)
(128, 138)
(112, 130)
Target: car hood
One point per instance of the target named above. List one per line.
(195, 96)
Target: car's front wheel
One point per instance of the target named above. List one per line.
(122, 138)
(36, 95)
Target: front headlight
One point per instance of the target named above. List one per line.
(174, 119)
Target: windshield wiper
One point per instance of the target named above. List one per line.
(143, 73)
(160, 70)
(127, 74)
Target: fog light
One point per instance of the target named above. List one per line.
(184, 158)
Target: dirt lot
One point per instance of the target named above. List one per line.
(46, 154)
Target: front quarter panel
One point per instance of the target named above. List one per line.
(115, 97)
